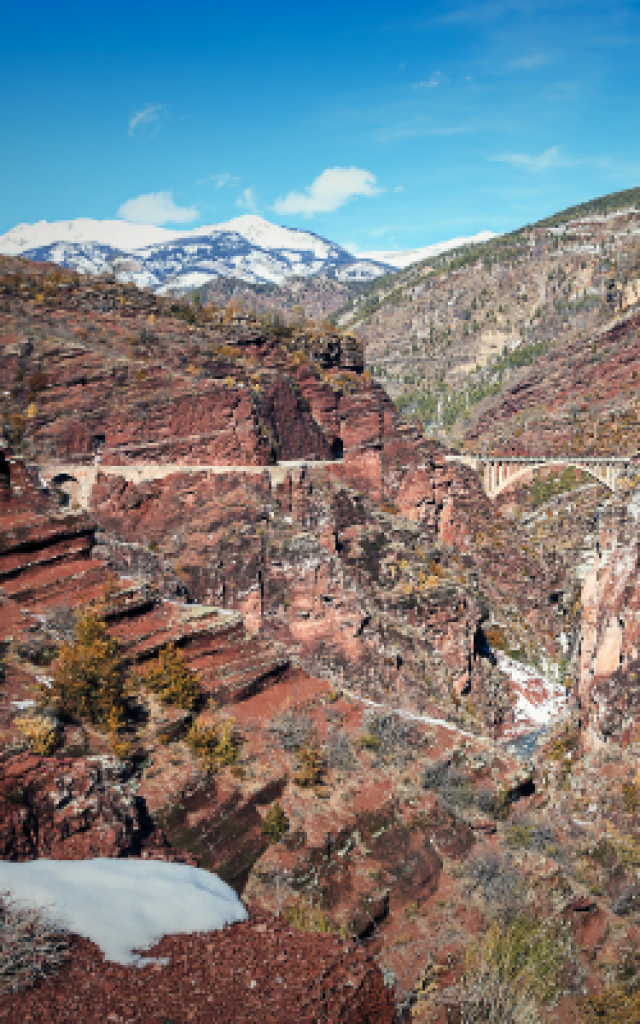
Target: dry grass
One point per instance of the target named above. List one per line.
(31, 945)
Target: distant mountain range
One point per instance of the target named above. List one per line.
(247, 248)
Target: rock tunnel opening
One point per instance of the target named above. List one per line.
(482, 647)
(65, 488)
(337, 448)
(5, 475)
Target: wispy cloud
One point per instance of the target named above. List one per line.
(475, 12)
(549, 160)
(418, 125)
(148, 115)
(553, 158)
(436, 79)
(529, 61)
(247, 200)
(225, 179)
(329, 191)
(156, 208)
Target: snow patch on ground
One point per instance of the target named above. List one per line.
(538, 699)
(123, 905)
(410, 715)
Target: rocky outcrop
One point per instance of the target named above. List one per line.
(104, 369)
(579, 399)
(314, 567)
(75, 809)
(610, 627)
(258, 970)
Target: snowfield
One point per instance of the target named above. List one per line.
(246, 247)
(123, 905)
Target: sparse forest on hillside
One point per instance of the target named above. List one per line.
(448, 336)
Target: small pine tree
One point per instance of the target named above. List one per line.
(311, 764)
(213, 746)
(89, 681)
(39, 733)
(275, 823)
(172, 679)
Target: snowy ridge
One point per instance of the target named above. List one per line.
(404, 258)
(246, 247)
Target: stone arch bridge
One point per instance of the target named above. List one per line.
(77, 480)
(499, 473)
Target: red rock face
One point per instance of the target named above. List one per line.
(579, 398)
(310, 568)
(67, 809)
(20, 491)
(213, 390)
(610, 628)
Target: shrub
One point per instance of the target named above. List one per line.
(88, 682)
(172, 679)
(308, 919)
(370, 740)
(311, 764)
(618, 1004)
(39, 733)
(214, 746)
(275, 823)
(18, 425)
(514, 972)
(630, 797)
(119, 746)
(37, 382)
(30, 946)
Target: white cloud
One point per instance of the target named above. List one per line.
(330, 190)
(436, 79)
(147, 115)
(547, 161)
(221, 180)
(399, 188)
(247, 200)
(156, 208)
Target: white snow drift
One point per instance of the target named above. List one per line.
(123, 905)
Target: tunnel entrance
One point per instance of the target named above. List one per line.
(336, 448)
(65, 488)
(5, 476)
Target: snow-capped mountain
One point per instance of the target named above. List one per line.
(247, 247)
(404, 258)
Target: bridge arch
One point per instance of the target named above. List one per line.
(501, 472)
(607, 479)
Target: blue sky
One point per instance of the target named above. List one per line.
(377, 125)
